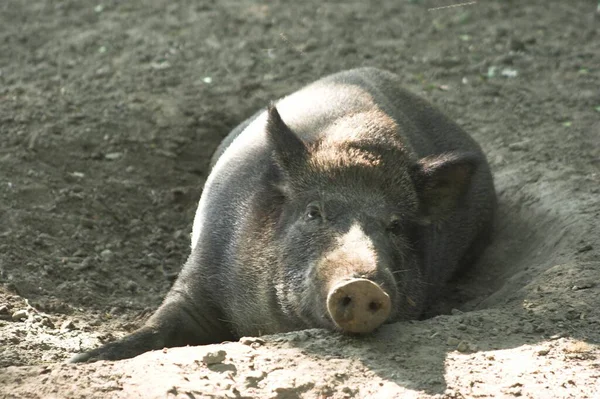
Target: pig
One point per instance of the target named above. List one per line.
(345, 205)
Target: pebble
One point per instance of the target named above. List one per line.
(107, 255)
(349, 391)
(4, 312)
(131, 286)
(112, 156)
(585, 248)
(252, 341)
(300, 336)
(20, 315)
(85, 264)
(462, 347)
(543, 352)
(214, 357)
(67, 325)
(452, 341)
(79, 253)
(47, 322)
(519, 146)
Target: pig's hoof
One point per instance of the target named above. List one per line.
(358, 305)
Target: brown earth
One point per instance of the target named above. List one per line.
(110, 110)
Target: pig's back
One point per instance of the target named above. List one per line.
(309, 111)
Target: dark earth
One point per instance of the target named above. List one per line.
(110, 111)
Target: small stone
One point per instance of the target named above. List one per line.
(519, 146)
(517, 329)
(67, 325)
(463, 347)
(214, 357)
(5, 313)
(252, 340)
(543, 352)
(131, 286)
(107, 255)
(79, 253)
(300, 336)
(455, 312)
(160, 65)
(585, 248)
(85, 264)
(452, 341)
(509, 72)
(111, 156)
(47, 322)
(515, 389)
(20, 315)
(538, 329)
(178, 194)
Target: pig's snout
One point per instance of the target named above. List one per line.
(358, 305)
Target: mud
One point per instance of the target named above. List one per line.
(109, 112)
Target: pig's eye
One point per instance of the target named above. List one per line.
(394, 226)
(313, 212)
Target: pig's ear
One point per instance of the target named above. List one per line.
(289, 150)
(441, 182)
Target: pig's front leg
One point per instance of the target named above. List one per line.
(178, 322)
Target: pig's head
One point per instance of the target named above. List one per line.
(349, 215)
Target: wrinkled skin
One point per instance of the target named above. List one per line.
(349, 179)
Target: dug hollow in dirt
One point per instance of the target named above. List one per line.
(344, 206)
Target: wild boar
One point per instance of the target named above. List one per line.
(345, 205)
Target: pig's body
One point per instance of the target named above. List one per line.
(260, 263)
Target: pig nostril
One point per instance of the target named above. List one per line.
(346, 301)
(358, 305)
(374, 306)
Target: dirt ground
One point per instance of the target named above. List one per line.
(110, 110)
